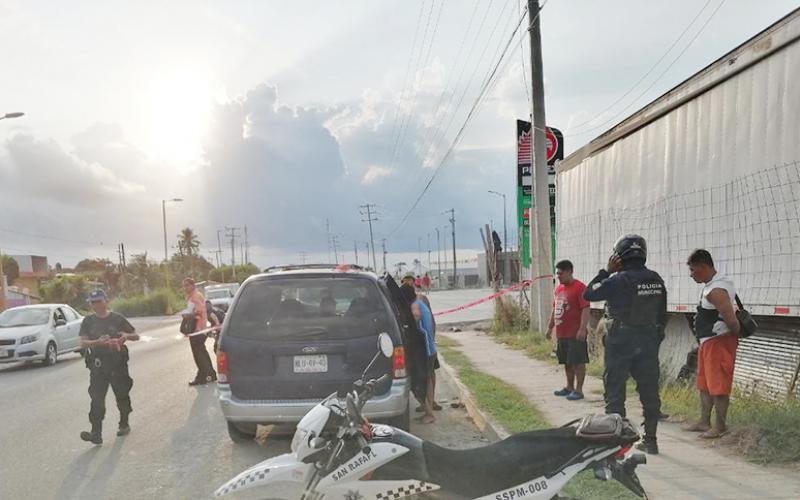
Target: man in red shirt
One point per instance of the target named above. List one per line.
(570, 319)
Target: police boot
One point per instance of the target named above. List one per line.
(648, 445)
(95, 436)
(124, 428)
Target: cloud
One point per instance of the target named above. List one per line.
(375, 173)
(41, 169)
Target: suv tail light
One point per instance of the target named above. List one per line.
(399, 362)
(222, 367)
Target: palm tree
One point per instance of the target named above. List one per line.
(188, 242)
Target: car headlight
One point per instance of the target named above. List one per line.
(27, 339)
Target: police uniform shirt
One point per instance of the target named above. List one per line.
(113, 325)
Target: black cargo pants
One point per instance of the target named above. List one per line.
(105, 373)
(633, 352)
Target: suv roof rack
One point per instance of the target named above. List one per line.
(299, 267)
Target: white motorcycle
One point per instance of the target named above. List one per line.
(336, 453)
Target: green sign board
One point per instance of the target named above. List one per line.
(525, 200)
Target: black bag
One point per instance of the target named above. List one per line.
(747, 325)
(605, 428)
(188, 325)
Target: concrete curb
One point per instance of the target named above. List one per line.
(484, 422)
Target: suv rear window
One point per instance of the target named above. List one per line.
(302, 308)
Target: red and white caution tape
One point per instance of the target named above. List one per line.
(504, 291)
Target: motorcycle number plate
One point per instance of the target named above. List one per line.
(317, 363)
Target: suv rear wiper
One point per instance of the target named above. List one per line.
(307, 332)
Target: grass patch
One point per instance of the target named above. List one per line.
(514, 412)
(765, 431)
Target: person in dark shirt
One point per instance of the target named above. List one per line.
(103, 335)
(636, 305)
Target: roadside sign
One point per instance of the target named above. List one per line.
(555, 152)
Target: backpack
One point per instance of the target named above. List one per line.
(188, 325)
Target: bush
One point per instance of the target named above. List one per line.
(224, 274)
(510, 316)
(70, 290)
(162, 302)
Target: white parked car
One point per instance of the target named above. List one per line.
(39, 333)
(221, 296)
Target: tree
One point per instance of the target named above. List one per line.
(224, 274)
(10, 268)
(188, 244)
(95, 266)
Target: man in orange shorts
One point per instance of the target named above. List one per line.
(717, 329)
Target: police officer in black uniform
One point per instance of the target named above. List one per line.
(103, 336)
(636, 306)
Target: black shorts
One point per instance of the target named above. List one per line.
(433, 363)
(572, 352)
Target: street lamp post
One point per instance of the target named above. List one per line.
(505, 229)
(164, 218)
(2, 276)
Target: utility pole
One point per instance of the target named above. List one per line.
(303, 257)
(246, 247)
(355, 250)
(2, 285)
(383, 243)
(541, 261)
(230, 232)
(335, 242)
(452, 213)
(219, 248)
(328, 233)
(439, 257)
(429, 251)
(369, 207)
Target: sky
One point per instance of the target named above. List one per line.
(287, 116)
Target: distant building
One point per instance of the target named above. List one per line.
(32, 268)
(16, 296)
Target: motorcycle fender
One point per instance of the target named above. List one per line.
(282, 473)
(379, 490)
(358, 466)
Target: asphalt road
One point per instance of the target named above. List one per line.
(178, 448)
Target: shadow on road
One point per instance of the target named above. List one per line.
(64, 361)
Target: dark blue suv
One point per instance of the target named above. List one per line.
(294, 335)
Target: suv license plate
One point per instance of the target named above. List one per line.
(317, 363)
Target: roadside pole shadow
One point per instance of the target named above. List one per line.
(73, 483)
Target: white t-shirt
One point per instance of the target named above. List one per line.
(718, 281)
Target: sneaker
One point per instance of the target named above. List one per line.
(124, 430)
(648, 445)
(562, 392)
(92, 437)
(574, 396)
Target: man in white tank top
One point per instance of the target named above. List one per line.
(716, 329)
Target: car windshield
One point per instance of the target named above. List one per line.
(24, 317)
(218, 294)
(337, 308)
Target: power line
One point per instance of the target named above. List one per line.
(441, 136)
(522, 57)
(471, 113)
(661, 75)
(408, 67)
(368, 212)
(405, 123)
(649, 71)
(416, 65)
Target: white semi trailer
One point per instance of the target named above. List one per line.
(714, 163)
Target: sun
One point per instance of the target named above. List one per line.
(179, 107)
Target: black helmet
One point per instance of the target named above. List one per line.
(631, 246)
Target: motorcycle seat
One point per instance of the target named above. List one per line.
(480, 471)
